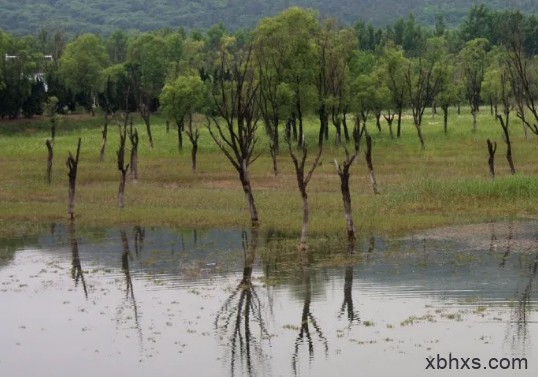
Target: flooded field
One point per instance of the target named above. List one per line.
(145, 301)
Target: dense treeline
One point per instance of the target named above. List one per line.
(104, 16)
(289, 66)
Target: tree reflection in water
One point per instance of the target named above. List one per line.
(139, 234)
(242, 309)
(518, 326)
(307, 318)
(76, 270)
(347, 305)
(129, 290)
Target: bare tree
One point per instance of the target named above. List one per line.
(522, 73)
(343, 173)
(302, 183)
(72, 166)
(234, 128)
(504, 119)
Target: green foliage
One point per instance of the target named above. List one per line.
(183, 97)
(106, 16)
(82, 66)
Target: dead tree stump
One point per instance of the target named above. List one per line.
(492, 148)
(72, 166)
(133, 137)
(122, 167)
(50, 156)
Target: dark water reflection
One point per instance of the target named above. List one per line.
(141, 301)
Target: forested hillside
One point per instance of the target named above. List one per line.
(103, 16)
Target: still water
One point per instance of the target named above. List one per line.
(145, 301)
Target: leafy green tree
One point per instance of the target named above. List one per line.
(147, 69)
(425, 78)
(82, 65)
(395, 65)
(21, 87)
(116, 45)
(491, 84)
(473, 58)
(179, 100)
(478, 24)
(448, 95)
(286, 60)
(408, 34)
(273, 55)
(337, 65)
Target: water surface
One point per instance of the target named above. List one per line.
(141, 301)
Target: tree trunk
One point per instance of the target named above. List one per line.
(193, 155)
(506, 136)
(368, 157)
(473, 112)
(346, 197)
(103, 140)
(53, 128)
(167, 126)
(72, 165)
(300, 136)
(146, 118)
(293, 120)
(390, 119)
(272, 150)
(179, 126)
(420, 137)
(121, 189)
(323, 118)
(133, 137)
(338, 126)
(193, 137)
(445, 118)
(121, 165)
(134, 163)
(247, 189)
(377, 115)
(399, 125)
(304, 230)
(50, 156)
(492, 148)
(344, 124)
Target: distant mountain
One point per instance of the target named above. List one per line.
(103, 16)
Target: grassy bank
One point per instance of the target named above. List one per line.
(447, 183)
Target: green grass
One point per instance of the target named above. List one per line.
(447, 183)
